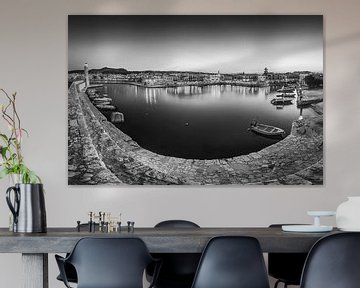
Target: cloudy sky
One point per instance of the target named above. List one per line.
(230, 44)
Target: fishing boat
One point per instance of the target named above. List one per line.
(290, 95)
(102, 99)
(266, 130)
(288, 92)
(288, 89)
(281, 100)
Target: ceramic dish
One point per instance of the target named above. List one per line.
(306, 228)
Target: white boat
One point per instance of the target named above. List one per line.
(288, 92)
(287, 89)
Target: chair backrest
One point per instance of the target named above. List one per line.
(176, 224)
(232, 262)
(110, 262)
(178, 269)
(333, 262)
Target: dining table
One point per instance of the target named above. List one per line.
(35, 247)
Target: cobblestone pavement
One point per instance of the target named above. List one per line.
(100, 153)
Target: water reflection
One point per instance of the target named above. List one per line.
(215, 90)
(184, 91)
(150, 96)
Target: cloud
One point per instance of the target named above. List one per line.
(307, 60)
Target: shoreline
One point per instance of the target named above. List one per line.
(180, 85)
(103, 154)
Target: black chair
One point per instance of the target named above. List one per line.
(108, 263)
(69, 269)
(176, 224)
(178, 269)
(286, 267)
(333, 262)
(70, 273)
(232, 262)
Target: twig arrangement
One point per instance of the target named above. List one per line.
(11, 157)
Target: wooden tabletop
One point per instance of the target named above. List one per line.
(158, 240)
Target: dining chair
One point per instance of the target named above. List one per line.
(178, 269)
(108, 263)
(286, 267)
(333, 262)
(232, 262)
(69, 269)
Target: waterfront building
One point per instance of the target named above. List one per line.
(275, 76)
(227, 77)
(292, 77)
(302, 79)
(215, 77)
(250, 77)
(261, 78)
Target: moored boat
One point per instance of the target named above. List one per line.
(105, 107)
(288, 92)
(281, 100)
(286, 89)
(266, 130)
(289, 95)
(102, 99)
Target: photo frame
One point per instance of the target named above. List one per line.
(195, 100)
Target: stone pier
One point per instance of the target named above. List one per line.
(100, 153)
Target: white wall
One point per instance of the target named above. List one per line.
(33, 62)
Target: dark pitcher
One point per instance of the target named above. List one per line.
(28, 207)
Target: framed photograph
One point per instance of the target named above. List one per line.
(195, 99)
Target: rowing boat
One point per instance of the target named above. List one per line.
(267, 130)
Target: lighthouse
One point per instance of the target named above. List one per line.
(86, 70)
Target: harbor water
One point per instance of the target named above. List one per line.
(209, 122)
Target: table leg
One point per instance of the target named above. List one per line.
(35, 270)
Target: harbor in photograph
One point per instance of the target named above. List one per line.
(196, 127)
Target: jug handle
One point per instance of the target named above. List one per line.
(13, 208)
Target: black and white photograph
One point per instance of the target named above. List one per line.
(195, 100)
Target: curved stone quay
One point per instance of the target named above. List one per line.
(100, 153)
